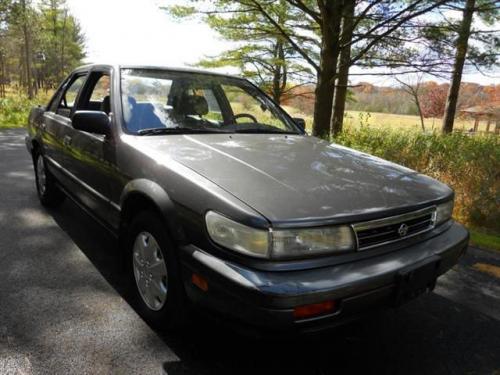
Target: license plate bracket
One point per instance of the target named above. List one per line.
(416, 279)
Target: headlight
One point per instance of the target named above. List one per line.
(278, 244)
(444, 212)
(299, 242)
(236, 236)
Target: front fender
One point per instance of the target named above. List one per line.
(157, 196)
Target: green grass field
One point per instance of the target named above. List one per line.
(484, 240)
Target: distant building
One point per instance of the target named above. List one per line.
(489, 112)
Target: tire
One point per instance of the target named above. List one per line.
(48, 193)
(148, 246)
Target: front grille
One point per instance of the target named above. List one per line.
(395, 228)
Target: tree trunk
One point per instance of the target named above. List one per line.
(284, 74)
(461, 46)
(54, 69)
(330, 47)
(419, 109)
(27, 50)
(278, 76)
(345, 57)
(2, 76)
(22, 69)
(63, 44)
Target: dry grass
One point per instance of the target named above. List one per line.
(488, 268)
(389, 120)
(470, 165)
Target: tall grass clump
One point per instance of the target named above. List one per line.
(15, 108)
(468, 164)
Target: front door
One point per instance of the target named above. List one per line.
(91, 156)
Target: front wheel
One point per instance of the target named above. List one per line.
(47, 191)
(153, 270)
(150, 271)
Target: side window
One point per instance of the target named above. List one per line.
(69, 97)
(101, 89)
(97, 98)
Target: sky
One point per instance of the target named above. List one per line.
(139, 32)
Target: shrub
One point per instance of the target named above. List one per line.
(468, 164)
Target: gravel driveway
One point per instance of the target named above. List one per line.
(63, 311)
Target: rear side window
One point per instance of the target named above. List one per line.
(96, 96)
(101, 89)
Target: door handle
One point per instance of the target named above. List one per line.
(67, 140)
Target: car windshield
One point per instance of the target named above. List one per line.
(164, 102)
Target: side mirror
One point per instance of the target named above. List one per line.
(96, 122)
(301, 123)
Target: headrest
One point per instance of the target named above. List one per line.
(192, 105)
(106, 105)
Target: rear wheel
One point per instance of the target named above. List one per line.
(153, 270)
(47, 191)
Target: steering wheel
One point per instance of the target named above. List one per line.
(240, 115)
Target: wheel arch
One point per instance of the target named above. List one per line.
(142, 194)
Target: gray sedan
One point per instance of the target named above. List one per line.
(219, 199)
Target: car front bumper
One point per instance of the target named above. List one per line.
(266, 299)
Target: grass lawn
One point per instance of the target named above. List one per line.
(395, 121)
(484, 240)
(407, 122)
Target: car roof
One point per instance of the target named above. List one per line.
(155, 67)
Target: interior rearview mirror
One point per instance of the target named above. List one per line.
(96, 122)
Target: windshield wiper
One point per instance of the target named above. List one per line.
(176, 130)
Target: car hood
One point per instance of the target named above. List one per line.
(292, 179)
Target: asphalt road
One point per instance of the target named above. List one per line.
(63, 309)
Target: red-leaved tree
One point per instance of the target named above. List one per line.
(433, 99)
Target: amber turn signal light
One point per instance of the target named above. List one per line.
(199, 281)
(315, 309)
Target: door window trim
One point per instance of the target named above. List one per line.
(56, 101)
